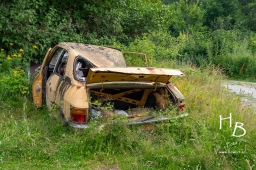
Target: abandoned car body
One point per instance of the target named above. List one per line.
(84, 79)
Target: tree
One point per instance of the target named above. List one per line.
(185, 17)
(226, 10)
(248, 19)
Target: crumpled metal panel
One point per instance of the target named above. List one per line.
(99, 56)
(147, 74)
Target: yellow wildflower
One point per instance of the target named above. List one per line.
(9, 57)
(11, 44)
(2, 49)
(34, 46)
(19, 55)
(15, 73)
(21, 50)
(14, 55)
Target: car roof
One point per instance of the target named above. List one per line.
(99, 56)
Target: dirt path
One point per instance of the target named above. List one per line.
(247, 91)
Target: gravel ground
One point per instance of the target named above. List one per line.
(247, 91)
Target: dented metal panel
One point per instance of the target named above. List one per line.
(131, 74)
(140, 70)
(37, 86)
(98, 55)
(37, 91)
(175, 90)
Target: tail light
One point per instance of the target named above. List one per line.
(78, 115)
(181, 105)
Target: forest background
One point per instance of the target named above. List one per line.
(221, 33)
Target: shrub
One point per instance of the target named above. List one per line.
(14, 82)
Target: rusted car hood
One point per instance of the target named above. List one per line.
(147, 74)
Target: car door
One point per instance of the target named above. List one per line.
(37, 86)
(55, 78)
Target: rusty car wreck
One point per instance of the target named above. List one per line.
(83, 79)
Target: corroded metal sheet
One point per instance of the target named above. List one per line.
(162, 75)
(99, 56)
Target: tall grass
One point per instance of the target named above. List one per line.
(34, 139)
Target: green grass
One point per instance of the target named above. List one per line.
(35, 138)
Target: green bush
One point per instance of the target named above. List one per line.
(14, 82)
(13, 85)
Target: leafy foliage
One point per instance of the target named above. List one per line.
(197, 28)
(45, 23)
(227, 10)
(186, 18)
(13, 80)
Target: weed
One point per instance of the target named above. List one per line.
(34, 139)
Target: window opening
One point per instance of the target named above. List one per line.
(62, 64)
(54, 60)
(81, 69)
